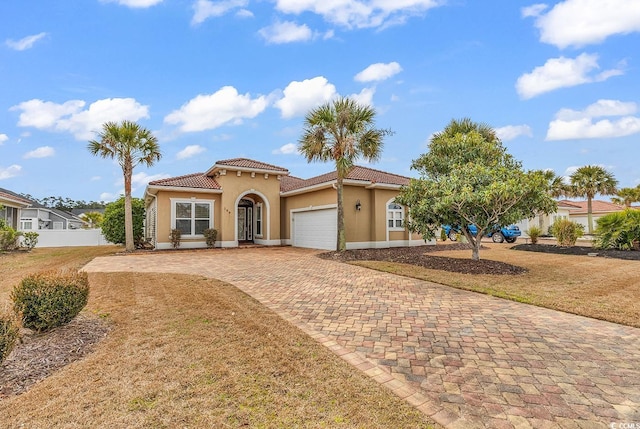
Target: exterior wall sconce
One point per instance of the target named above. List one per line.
(358, 205)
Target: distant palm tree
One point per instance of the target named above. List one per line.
(588, 181)
(466, 126)
(131, 145)
(341, 131)
(627, 196)
(557, 185)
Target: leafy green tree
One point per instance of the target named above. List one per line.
(113, 224)
(627, 196)
(131, 145)
(467, 177)
(341, 131)
(588, 181)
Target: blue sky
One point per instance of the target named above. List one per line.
(213, 80)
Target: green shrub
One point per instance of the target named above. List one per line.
(566, 232)
(443, 235)
(620, 230)
(534, 233)
(8, 335)
(175, 236)
(9, 238)
(30, 239)
(210, 236)
(113, 221)
(47, 300)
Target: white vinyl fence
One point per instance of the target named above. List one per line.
(70, 237)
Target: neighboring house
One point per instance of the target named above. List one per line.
(575, 211)
(578, 210)
(38, 217)
(250, 201)
(11, 205)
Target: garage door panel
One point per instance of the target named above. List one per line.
(315, 229)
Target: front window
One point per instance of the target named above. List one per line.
(192, 217)
(395, 217)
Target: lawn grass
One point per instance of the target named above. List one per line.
(601, 288)
(186, 351)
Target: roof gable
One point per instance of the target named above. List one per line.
(196, 180)
(248, 164)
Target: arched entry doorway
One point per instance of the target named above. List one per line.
(245, 220)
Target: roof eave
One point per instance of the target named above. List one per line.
(153, 189)
(216, 167)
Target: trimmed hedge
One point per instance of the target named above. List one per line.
(8, 335)
(47, 300)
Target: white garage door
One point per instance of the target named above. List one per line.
(316, 229)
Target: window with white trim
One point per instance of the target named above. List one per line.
(259, 220)
(395, 217)
(191, 217)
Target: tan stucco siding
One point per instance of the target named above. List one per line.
(357, 223)
(257, 188)
(163, 224)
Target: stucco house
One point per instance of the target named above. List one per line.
(250, 201)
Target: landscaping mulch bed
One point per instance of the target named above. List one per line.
(39, 355)
(423, 256)
(630, 255)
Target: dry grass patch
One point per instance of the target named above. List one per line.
(602, 288)
(187, 351)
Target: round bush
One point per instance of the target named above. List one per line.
(8, 335)
(47, 300)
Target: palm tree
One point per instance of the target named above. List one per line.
(131, 145)
(557, 185)
(627, 196)
(466, 126)
(341, 131)
(589, 181)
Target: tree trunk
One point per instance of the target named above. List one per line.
(128, 215)
(589, 216)
(341, 245)
(475, 245)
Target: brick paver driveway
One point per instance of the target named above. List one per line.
(465, 359)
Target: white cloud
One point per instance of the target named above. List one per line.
(377, 72)
(41, 152)
(95, 178)
(244, 13)
(562, 73)
(573, 124)
(300, 97)
(25, 43)
(287, 149)
(10, 171)
(137, 4)
(360, 13)
(142, 179)
(225, 106)
(69, 116)
(109, 197)
(190, 151)
(3, 138)
(582, 22)
(365, 97)
(534, 10)
(205, 9)
(286, 32)
(511, 132)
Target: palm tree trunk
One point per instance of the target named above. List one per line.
(128, 215)
(589, 215)
(342, 241)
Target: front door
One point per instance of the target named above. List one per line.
(245, 221)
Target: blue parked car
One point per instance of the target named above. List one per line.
(506, 233)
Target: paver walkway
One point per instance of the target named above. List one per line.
(465, 359)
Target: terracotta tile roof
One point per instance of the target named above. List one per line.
(289, 183)
(596, 206)
(197, 180)
(364, 174)
(250, 163)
